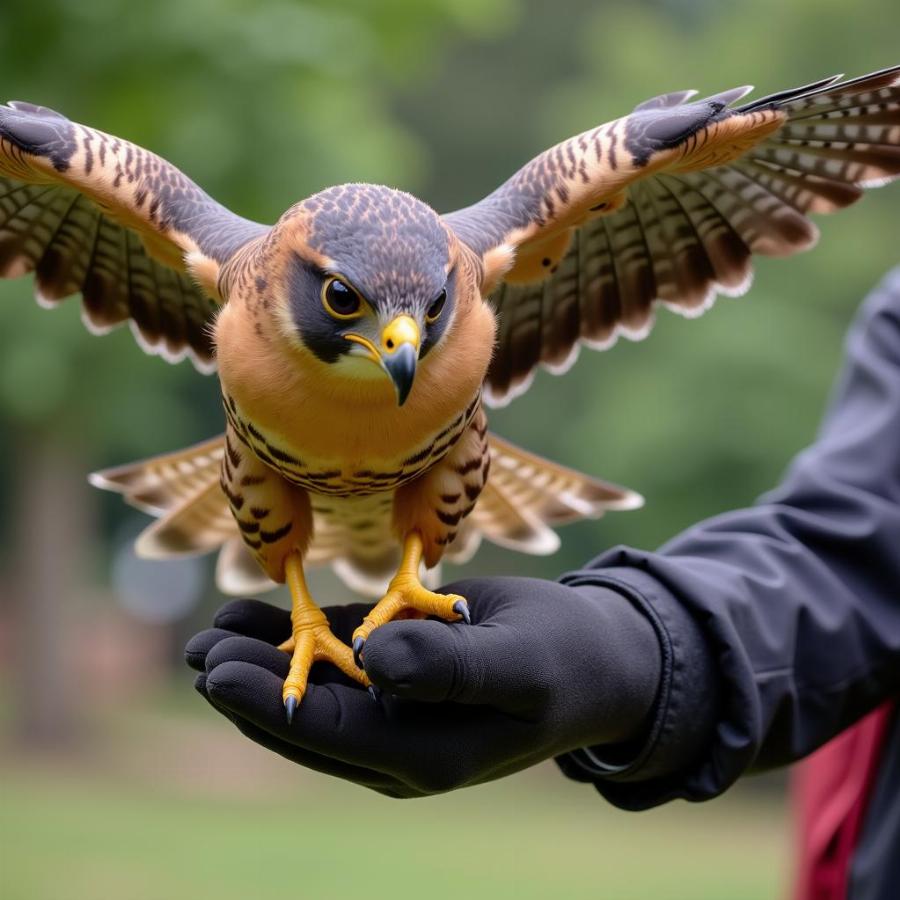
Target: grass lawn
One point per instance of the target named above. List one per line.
(182, 807)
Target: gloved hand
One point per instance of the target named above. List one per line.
(543, 669)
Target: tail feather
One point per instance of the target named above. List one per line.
(201, 523)
(237, 572)
(525, 498)
(468, 540)
(157, 485)
(366, 575)
(504, 523)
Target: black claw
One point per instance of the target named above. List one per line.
(290, 707)
(374, 692)
(358, 644)
(461, 608)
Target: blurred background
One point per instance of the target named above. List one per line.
(117, 780)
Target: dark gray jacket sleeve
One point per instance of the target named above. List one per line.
(780, 624)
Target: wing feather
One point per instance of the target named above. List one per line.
(684, 264)
(726, 250)
(96, 215)
(668, 205)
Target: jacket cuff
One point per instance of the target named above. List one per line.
(686, 709)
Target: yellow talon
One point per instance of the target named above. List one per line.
(311, 640)
(407, 596)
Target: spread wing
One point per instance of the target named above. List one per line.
(667, 205)
(92, 214)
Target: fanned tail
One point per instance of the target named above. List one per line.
(158, 484)
(525, 498)
(182, 491)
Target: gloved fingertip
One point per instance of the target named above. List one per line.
(238, 681)
(258, 653)
(192, 649)
(219, 683)
(412, 658)
(240, 689)
(240, 608)
(200, 687)
(254, 618)
(197, 648)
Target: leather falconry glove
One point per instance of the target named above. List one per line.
(543, 669)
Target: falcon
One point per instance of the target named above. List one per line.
(358, 338)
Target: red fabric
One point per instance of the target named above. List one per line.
(830, 792)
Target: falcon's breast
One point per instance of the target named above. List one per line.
(346, 476)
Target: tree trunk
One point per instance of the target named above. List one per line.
(49, 533)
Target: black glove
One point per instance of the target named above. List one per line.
(543, 669)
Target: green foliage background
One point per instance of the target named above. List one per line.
(265, 102)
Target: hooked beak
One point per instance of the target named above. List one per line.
(398, 354)
(401, 366)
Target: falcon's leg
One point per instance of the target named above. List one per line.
(311, 640)
(406, 595)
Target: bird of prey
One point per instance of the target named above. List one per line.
(357, 338)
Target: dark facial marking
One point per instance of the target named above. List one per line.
(320, 332)
(433, 331)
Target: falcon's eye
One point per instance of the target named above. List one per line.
(340, 300)
(436, 308)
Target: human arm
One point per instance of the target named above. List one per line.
(797, 599)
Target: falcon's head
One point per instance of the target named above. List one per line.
(371, 286)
